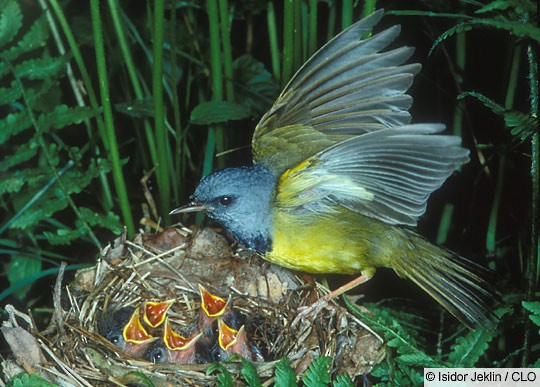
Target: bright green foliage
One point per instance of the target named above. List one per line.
(224, 376)
(249, 372)
(407, 357)
(521, 125)
(214, 112)
(256, 89)
(318, 372)
(10, 21)
(42, 173)
(34, 380)
(285, 376)
(534, 308)
(343, 381)
(20, 268)
(467, 350)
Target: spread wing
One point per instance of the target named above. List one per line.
(347, 88)
(386, 174)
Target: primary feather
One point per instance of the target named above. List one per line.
(347, 88)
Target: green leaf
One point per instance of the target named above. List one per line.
(137, 109)
(534, 308)
(518, 29)
(10, 94)
(214, 112)
(468, 349)
(36, 37)
(20, 268)
(13, 124)
(285, 376)
(418, 358)
(14, 182)
(343, 381)
(522, 125)
(39, 212)
(63, 116)
(25, 380)
(63, 236)
(23, 152)
(318, 372)
(110, 221)
(10, 21)
(255, 87)
(41, 68)
(224, 377)
(501, 5)
(250, 374)
(488, 102)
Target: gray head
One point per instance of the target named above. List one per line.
(239, 199)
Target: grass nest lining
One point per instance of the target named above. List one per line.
(171, 265)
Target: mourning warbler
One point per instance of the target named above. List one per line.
(340, 176)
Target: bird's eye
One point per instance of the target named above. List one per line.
(225, 200)
(115, 339)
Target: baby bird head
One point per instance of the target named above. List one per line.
(239, 199)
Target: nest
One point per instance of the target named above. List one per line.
(171, 265)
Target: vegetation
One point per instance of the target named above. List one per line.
(95, 96)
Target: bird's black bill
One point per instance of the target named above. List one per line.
(190, 207)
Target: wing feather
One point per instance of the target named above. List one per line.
(348, 88)
(388, 174)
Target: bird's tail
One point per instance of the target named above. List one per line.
(455, 282)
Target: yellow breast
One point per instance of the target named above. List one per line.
(341, 243)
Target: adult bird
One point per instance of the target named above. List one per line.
(340, 176)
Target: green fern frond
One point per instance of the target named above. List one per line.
(318, 372)
(41, 68)
(249, 372)
(534, 308)
(36, 37)
(23, 153)
(502, 5)
(42, 210)
(488, 102)
(223, 375)
(19, 179)
(13, 124)
(10, 21)
(518, 29)
(343, 381)
(10, 94)
(468, 349)
(285, 376)
(63, 116)
(521, 125)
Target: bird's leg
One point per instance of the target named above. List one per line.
(313, 310)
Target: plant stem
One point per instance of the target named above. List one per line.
(105, 186)
(491, 236)
(216, 77)
(114, 155)
(369, 7)
(227, 51)
(132, 73)
(312, 27)
(288, 42)
(162, 170)
(346, 13)
(531, 276)
(273, 39)
(177, 153)
(298, 52)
